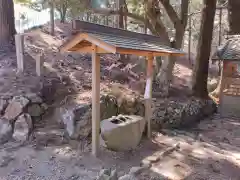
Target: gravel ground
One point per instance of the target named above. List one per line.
(210, 151)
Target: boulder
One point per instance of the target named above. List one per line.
(22, 128)
(75, 120)
(123, 132)
(6, 130)
(35, 110)
(15, 107)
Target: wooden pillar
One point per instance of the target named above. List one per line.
(148, 94)
(95, 100)
(19, 41)
(223, 83)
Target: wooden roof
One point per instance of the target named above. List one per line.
(112, 40)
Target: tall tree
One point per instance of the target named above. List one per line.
(7, 25)
(155, 23)
(200, 73)
(233, 16)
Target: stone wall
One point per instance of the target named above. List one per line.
(77, 119)
(172, 114)
(18, 116)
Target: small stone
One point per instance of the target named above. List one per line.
(22, 127)
(103, 177)
(15, 107)
(6, 160)
(105, 171)
(127, 177)
(136, 170)
(5, 131)
(3, 105)
(104, 174)
(34, 98)
(44, 106)
(34, 110)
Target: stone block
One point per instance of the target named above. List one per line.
(123, 132)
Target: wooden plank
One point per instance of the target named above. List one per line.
(95, 100)
(148, 94)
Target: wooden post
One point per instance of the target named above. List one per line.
(190, 40)
(19, 41)
(95, 100)
(39, 64)
(223, 83)
(148, 94)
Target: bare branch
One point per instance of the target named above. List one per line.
(171, 13)
(117, 12)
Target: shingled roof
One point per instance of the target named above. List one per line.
(113, 40)
(229, 51)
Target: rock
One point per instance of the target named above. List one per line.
(113, 175)
(212, 85)
(34, 110)
(136, 170)
(128, 177)
(6, 160)
(34, 98)
(15, 107)
(108, 106)
(3, 105)
(76, 120)
(6, 131)
(22, 128)
(112, 128)
(104, 174)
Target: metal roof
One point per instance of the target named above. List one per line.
(229, 51)
(113, 40)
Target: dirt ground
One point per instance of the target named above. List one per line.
(208, 152)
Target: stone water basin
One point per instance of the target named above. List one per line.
(122, 132)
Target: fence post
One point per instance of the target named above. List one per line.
(39, 64)
(19, 41)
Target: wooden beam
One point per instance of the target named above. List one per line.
(88, 49)
(107, 47)
(145, 53)
(95, 100)
(148, 94)
(71, 43)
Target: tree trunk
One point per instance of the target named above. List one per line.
(165, 74)
(7, 24)
(52, 19)
(200, 73)
(233, 16)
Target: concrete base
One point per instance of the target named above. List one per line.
(123, 132)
